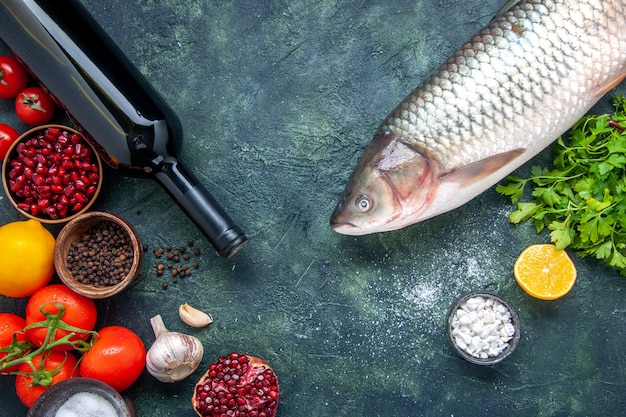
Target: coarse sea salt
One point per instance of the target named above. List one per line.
(86, 404)
(482, 327)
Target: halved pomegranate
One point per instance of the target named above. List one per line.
(237, 385)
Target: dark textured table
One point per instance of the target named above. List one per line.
(277, 100)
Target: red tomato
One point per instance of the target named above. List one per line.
(80, 312)
(117, 358)
(7, 137)
(34, 106)
(11, 324)
(27, 386)
(13, 77)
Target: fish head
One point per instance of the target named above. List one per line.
(387, 190)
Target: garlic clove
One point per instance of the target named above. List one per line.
(194, 317)
(173, 356)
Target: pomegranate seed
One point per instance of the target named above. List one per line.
(91, 190)
(44, 191)
(77, 207)
(51, 212)
(38, 179)
(70, 190)
(43, 203)
(41, 169)
(80, 197)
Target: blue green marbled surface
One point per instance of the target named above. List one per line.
(278, 100)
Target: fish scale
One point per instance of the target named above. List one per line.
(465, 115)
(502, 97)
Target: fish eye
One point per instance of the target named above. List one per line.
(363, 203)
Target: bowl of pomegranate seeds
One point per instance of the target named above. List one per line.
(52, 174)
(98, 254)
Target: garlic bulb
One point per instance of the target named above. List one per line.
(194, 317)
(173, 356)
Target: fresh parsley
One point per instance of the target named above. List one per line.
(582, 199)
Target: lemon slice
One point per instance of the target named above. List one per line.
(545, 272)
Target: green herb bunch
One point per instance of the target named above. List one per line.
(581, 199)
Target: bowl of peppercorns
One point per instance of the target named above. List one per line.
(52, 174)
(98, 254)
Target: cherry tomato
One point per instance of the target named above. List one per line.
(34, 106)
(117, 358)
(27, 386)
(80, 312)
(11, 324)
(8, 135)
(13, 77)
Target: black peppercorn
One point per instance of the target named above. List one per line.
(101, 256)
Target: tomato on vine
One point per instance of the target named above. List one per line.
(47, 369)
(34, 106)
(8, 135)
(117, 358)
(11, 335)
(13, 77)
(80, 312)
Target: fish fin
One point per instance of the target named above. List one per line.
(478, 170)
(611, 84)
(506, 7)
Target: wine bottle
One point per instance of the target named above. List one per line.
(111, 103)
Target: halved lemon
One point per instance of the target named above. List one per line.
(545, 272)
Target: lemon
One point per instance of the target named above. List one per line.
(26, 258)
(545, 272)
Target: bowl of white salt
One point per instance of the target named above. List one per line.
(80, 397)
(482, 327)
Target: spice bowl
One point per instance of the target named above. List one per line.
(98, 254)
(482, 327)
(52, 174)
(81, 396)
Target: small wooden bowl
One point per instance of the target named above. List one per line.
(12, 154)
(72, 231)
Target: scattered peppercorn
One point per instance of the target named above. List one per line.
(164, 285)
(174, 255)
(101, 256)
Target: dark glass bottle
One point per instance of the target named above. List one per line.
(110, 102)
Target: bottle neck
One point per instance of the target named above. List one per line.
(225, 236)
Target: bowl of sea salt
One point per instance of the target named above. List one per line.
(80, 397)
(482, 327)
